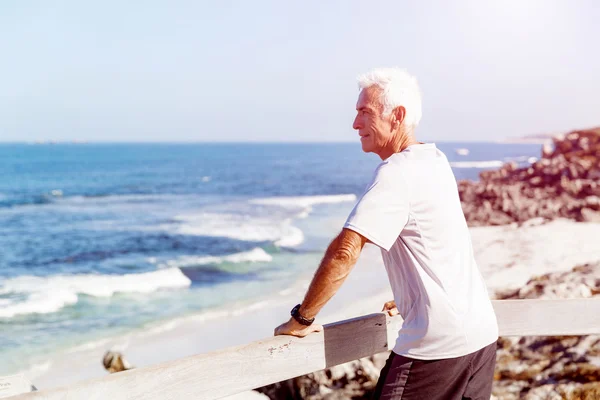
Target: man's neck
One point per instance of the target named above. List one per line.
(404, 140)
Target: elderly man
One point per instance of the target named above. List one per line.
(446, 347)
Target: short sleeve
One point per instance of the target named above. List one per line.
(382, 211)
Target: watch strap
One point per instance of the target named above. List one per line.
(298, 317)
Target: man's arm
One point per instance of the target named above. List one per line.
(340, 257)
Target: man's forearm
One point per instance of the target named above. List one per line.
(339, 259)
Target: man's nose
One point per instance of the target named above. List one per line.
(356, 124)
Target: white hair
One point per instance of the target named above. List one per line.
(398, 88)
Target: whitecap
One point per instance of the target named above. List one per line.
(255, 255)
(304, 201)
(50, 294)
(273, 224)
(292, 237)
(40, 303)
(239, 227)
(477, 164)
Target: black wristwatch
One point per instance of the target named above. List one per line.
(296, 315)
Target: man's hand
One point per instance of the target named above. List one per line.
(390, 307)
(294, 328)
(340, 257)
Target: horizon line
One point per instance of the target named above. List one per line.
(84, 142)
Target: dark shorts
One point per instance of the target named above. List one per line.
(466, 377)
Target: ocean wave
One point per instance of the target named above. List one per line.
(50, 294)
(493, 163)
(304, 201)
(258, 228)
(522, 159)
(303, 204)
(57, 196)
(40, 303)
(13, 201)
(293, 237)
(477, 164)
(239, 227)
(254, 255)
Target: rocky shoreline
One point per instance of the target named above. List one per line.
(563, 183)
(553, 367)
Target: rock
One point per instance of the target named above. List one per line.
(589, 391)
(114, 362)
(555, 186)
(535, 222)
(590, 215)
(550, 392)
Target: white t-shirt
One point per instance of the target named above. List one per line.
(411, 209)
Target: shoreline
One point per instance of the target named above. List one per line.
(231, 325)
(508, 256)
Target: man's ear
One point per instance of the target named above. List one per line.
(399, 113)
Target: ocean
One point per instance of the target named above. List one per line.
(102, 239)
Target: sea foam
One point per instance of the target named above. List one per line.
(50, 294)
(239, 227)
(255, 255)
(477, 164)
(304, 201)
(275, 224)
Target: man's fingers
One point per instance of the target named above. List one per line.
(308, 330)
(284, 329)
(390, 308)
(389, 305)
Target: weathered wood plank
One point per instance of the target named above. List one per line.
(233, 370)
(548, 317)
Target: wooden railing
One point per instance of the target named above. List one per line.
(237, 369)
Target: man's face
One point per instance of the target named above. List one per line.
(374, 129)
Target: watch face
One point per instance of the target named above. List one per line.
(296, 314)
(295, 310)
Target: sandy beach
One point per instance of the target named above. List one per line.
(508, 256)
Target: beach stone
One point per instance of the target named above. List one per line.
(589, 215)
(589, 391)
(114, 362)
(550, 392)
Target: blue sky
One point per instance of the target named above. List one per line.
(285, 71)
